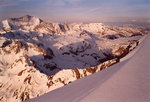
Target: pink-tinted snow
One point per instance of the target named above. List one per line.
(127, 81)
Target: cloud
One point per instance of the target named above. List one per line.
(74, 1)
(94, 9)
(148, 21)
(66, 2)
(134, 20)
(24, 0)
(59, 3)
(8, 4)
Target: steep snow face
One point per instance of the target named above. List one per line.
(37, 57)
(127, 81)
(5, 24)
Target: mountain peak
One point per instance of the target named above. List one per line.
(28, 17)
(25, 18)
(24, 22)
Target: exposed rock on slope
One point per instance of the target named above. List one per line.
(37, 57)
(127, 81)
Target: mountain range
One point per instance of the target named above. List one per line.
(37, 56)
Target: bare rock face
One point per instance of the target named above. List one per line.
(44, 27)
(49, 54)
(37, 57)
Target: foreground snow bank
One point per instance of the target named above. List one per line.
(127, 81)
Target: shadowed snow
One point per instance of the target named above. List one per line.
(127, 81)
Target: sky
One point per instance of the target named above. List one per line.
(78, 10)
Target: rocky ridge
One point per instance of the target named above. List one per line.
(37, 57)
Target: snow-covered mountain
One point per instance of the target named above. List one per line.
(127, 81)
(37, 57)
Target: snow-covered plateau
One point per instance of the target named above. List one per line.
(37, 57)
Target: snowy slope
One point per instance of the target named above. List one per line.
(37, 57)
(127, 81)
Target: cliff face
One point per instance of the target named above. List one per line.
(37, 57)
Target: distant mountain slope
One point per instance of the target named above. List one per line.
(127, 81)
(37, 57)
